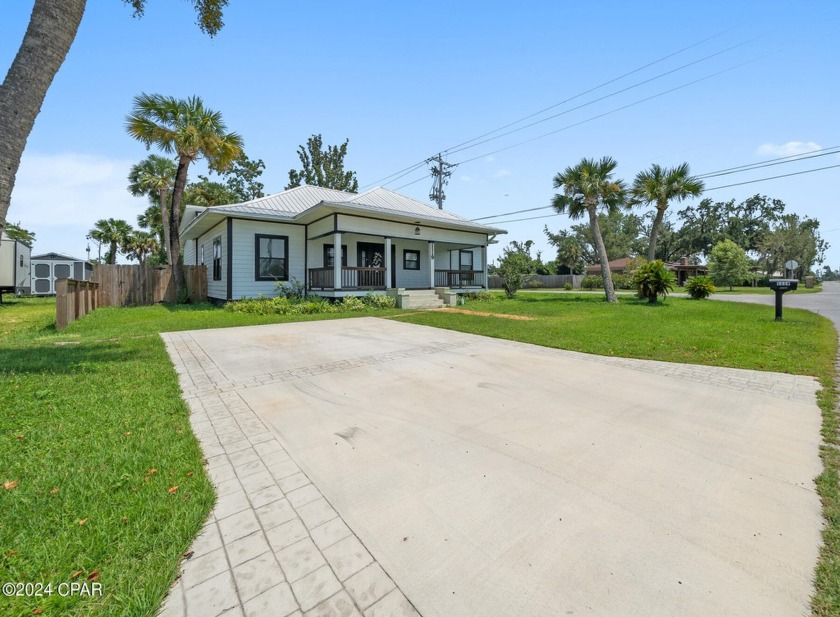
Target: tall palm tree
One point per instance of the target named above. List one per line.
(113, 231)
(586, 187)
(154, 177)
(191, 131)
(660, 186)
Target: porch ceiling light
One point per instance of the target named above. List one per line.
(416, 231)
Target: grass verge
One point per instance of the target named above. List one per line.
(697, 332)
(105, 479)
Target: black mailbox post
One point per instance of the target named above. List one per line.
(780, 286)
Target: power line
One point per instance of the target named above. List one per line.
(495, 216)
(795, 173)
(598, 87)
(596, 117)
(530, 218)
(407, 170)
(612, 111)
(413, 182)
(597, 100)
(793, 158)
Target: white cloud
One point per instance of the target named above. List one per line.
(791, 148)
(501, 173)
(466, 179)
(489, 159)
(61, 196)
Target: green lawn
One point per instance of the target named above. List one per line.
(697, 332)
(96, 436)
(678, 330)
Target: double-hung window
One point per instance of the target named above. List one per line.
(411, 260)
(272, 258)
(329, 255)
(466, 260)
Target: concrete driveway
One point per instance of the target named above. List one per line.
(495, 478)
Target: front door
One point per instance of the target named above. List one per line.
(370, 255)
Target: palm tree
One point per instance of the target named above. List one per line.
(586, 187)
(151, 220)
(661, 186)
(52, 28)
(113, 231)
(139, 245)
(189, 130)
(154, 177)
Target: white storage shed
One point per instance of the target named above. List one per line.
(51, 267)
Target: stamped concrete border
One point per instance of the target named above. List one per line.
(273, 544)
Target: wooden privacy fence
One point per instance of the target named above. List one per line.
(74, 299)
(137, 285)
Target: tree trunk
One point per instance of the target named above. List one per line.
(164, 219)
(52, 28)
(654, 232)
(175, 258)
(113, 257)
(609, 290)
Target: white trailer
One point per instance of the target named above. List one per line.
(15, 266)
(51, 267)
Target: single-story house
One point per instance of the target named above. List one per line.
(682, 269)
(14, 265)
(335, 243)
(47, 268)
(617, 266)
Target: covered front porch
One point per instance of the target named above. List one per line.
(379, 263)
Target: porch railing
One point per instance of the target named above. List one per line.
(321, 278)
(459, 278)
(351, 278)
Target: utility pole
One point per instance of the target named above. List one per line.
(441, 170)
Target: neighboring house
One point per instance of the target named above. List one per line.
(50, 267)
(681, 269)
(386, 241)
(14, 265)
(617, 266)
(684, 270)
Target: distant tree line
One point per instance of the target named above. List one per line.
(756, 235)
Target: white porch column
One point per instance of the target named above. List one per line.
(484, 266)
(337, 260)
(432, 265)
(388, 264)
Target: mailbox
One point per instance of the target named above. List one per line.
(783, 285)
(780, 286)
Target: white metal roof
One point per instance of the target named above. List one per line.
(297, 202)
(290, 202)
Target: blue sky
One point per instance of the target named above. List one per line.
(404, 81)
